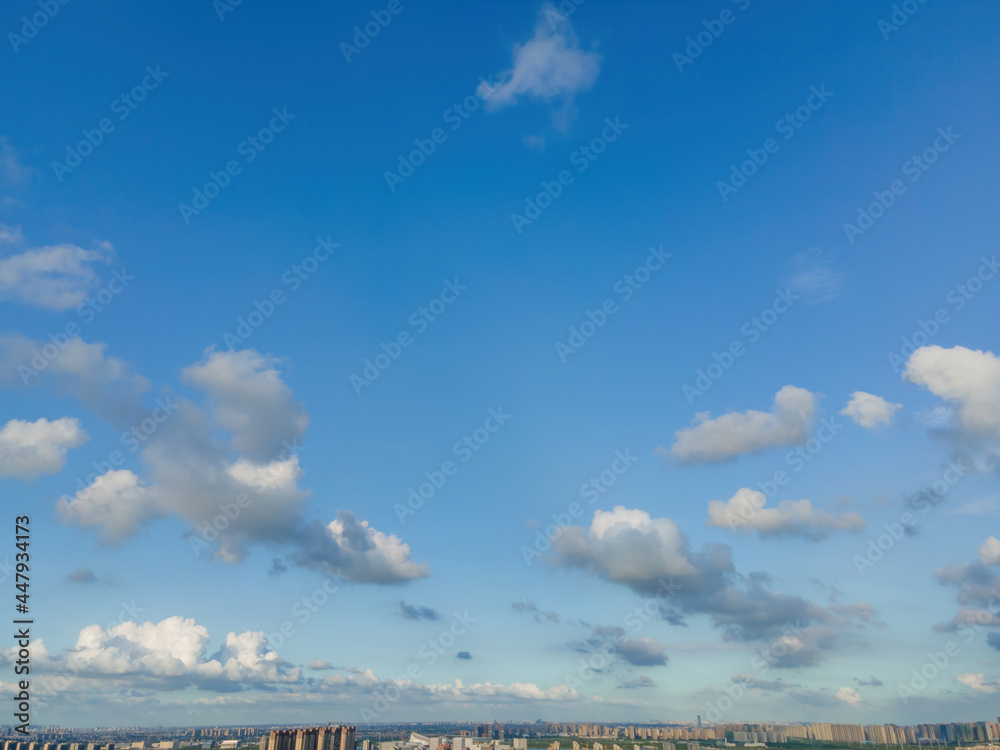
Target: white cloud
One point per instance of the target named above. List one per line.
(869, 411)
(989, 551)
(789, 423)
(115, 502)
(253, 403)
(969, 378)
(10, 235)
(977, 681)
(849, 696)
(549, 66)
(250, 478)
(12, 172)
(52, 277)
(745, 512)
(28, 449)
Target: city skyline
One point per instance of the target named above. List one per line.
(390, 361)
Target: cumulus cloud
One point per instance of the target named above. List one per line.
(790, 422)
(528, 607)
(550, 66)
(977, 681)
(106, 384)
(745, 513)
(417, 612)
(849, 696)
(52, 277)
(116, 503)
(969, 379)
(239, 458)
(989, 551)
(28, 449)
(630, 548)
(869, 411)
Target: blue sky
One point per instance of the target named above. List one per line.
(149, 620)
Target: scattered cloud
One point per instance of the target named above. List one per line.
(82, 575)
(869, 410)
(29, 449)
(769, 686)
(745, 513)
(551, 66)
(530, 608)
(640, 652)
(870, 682)
(968, 379)
(319, 665)
(849, 696)
(790, 422)
(628, 547)
(638, 683)
(979, 507)
(815, 276)
(51, 277)
(416, 612)
(977, 681)
(989, 551)
(463, 655)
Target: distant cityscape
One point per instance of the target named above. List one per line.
(538, 735)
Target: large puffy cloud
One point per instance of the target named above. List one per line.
(630, 548)
(239, 462)
(869, 410)
(549, 66)
(53, 277)
(790, 422)
(104, 383)
(966, 377)
(28, 449)
(745, 513)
